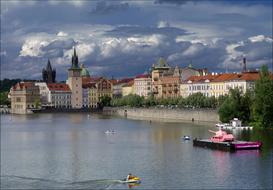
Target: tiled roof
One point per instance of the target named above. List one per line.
(58, 87)
(143, 76)
(251, 76)
(209, 77)
(22, 85)
(125, 80)
(226, 77)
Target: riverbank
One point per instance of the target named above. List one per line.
(165, 114)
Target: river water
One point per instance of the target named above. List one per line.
(70, 151)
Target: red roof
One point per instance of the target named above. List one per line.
(58, 87)
(22, 85)
(226, 77)
(143, 76)
(251, 76)
(202, 78)
(125, 80)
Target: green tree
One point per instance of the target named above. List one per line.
(236, 105)
(262, 112)
(105, 101)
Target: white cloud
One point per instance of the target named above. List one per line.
(62, 34)
(260, 38)
(163, 24)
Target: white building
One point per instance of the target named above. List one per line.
(59, 95)
(44, 92)
(143, 85)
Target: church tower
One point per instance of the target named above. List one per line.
(49, 74)
(75, 82)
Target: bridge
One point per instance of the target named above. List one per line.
(5, 110)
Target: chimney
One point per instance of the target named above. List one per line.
(244, 64)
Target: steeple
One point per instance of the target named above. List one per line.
(75, 61)
(48, 67)
(49, 74)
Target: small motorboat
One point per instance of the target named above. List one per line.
(110, 131)
(186, 138)
(134, 179)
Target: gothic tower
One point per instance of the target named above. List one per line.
(49, 74)
(75, 82)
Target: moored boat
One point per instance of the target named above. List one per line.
(223, 141)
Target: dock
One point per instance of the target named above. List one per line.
(227, 146)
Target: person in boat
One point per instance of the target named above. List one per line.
(129, 176)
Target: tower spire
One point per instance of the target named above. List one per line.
(75, 61)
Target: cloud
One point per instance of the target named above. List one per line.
(104, 7)
(260, 38)
(62, 34)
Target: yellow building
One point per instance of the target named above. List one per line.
(218, 85)
(25, 96)
(128, 88)
(98, 88)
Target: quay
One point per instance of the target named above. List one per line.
(227, 146)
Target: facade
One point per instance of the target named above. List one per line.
(197, 84)
(85, 87)
(59, 95)
(163, 70)
(143, 85)
(117, 86)
(74, 82)
(25, 96)
(49, 74)
(128, 88)
(218, 84)
(98, 88)
(44, 92)
(169, 87)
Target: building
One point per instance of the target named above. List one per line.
(25, 96)
(168, 87)
(220, 85)
(143, 85)
(54, 95)
(176, 74)
(158, 71)
(117, 86)
(74, 82)
(197, 84)
(98, 88)
(49, 74)
(44, 93)
(128, 88)
(59, 95)
(85, 87)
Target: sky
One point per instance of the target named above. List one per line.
(124, 38)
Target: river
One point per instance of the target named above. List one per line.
(70, 151)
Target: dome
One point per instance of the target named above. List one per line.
(84, 72)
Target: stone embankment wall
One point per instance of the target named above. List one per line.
(175, 115)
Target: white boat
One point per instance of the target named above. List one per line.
(110, 132)
(234, 124)
(186, 137)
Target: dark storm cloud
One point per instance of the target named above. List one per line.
(106, 7)
(125, 38)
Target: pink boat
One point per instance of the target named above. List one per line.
(221, 136)
(223, 141)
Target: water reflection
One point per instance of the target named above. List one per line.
(72, 151)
